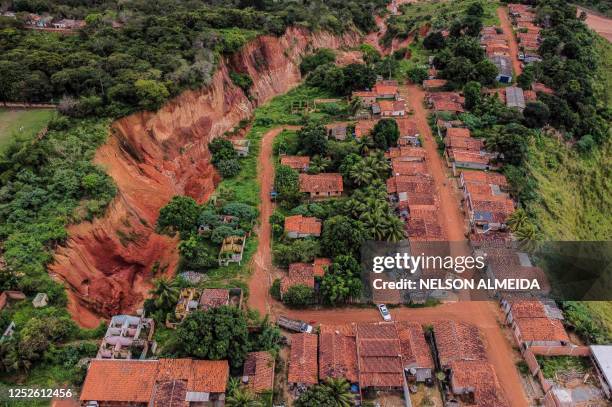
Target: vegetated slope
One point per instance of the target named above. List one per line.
(601, 6)
(153, 156)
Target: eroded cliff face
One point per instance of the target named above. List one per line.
(107, 265)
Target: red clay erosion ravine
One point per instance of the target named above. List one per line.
(107, 265)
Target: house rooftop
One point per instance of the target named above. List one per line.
(382, 89)
(303, 359)
(259, 369)
(303, 225)
(392, 105)
(324, 182)
(434, 83)
(299, 274)
(297, 162)
(542, 329)
(488, 177)
(480, 377)
(213, 298)
(137, 381)
(407, 127)
(458, 132)
(528, 309)
(363, 127)
(463, 143)
(338, 354)
(464, 156)
(458, 341)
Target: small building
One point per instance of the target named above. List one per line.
(475, 383)
(409, 133)
(368, 98)
(232, 250)
(504, 68)
(298, 274)
(127, 336)
(458, 132)
(457, 341)
(258, 372)
(386, 90)
(163, 382)
(69, 24)
(447, 106)
(515, 97)
(336, 131)
(540, 332)
(364, 127)
(297, 162)
(476, 160)
(320, 266)
(298, 226)
(323, 185)
(241, 146)
(391, 108)
(214, 298)
(303, 366)
(602, 360)
(434, 84)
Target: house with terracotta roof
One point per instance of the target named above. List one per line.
(368, 98)
(297, 162)
(386, 91)
(434, 84)
(486, 213)
(379, 357)
(320, 266)
(303, 362)
(540, 332)
(458, 132)
(323, 185)
(463, 143)
(456, 341)
(258, 372)
(450, 106)
(408, 132)
(494, 179)
(424, 226)
(475, 383)
(298, 226)
(364, 127)
(338, 353)
(298, 274)
(389, 108)
(399, 167)
(417, 359)
(163, 382)
(214, 298)
(475, 160)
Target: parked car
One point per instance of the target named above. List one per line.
(384, 312)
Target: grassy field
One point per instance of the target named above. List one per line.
(440, 13)
(21, 123)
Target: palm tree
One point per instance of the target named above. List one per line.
(165, 293)
(340, 390)
(360, 174)
(377, 163)
(241, 397)
(394, 228)
(318, 164)
(527, 235)
(366, 144)
(355, 106)
(517, 219)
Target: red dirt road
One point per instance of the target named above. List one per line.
(261, 279)
(502, 13)
(601, 25)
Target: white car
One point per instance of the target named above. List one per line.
(384, 312)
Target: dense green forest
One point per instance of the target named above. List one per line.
(160, 49)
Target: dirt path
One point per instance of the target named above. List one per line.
(600, 24)
(502, 13)
(261, 279)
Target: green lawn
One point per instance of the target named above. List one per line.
(21, 123)
(440, 13)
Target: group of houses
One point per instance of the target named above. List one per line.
(527, 32)
(393, 356)
(497, 49)
(46, 21)
(383, 100)
(192, 299)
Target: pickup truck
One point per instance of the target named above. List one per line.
(294, 325)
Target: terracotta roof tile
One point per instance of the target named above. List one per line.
(297, 162)
(465, 156)
(389, 106)
(299, 274)
(415, 350)
(478, 377)
(303, 359)
(458, 341)
(324, 182)
(408, 152)
(363, 127)
(493, 178)
(407, 127)
(381, 89)
(409, 168)
(214, 297)
(259, 368)
(320, 266)
(528, 309)
(541, 329)
(337, 355)
(463, 143)
(434, 83)
(303, 225)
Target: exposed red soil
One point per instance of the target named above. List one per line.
(504, 19)
(344, 58)
(600, 24)
(107, 264)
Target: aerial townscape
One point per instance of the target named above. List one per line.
(195, 197)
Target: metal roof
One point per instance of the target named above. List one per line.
(603, 356)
